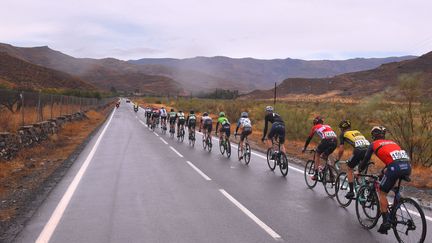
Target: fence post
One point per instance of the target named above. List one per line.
(52, 104)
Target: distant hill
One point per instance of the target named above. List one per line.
(17, 73)
(247, 74)
(103, 73)
(356, 84)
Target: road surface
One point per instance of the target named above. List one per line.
(134, 185)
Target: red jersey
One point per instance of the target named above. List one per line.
(388, 151)
(323, 131)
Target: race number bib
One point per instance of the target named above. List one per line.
(361, 143)
(330, 134)
(399, 154)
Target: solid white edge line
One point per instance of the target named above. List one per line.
(199, 171)
(56, 216)
(157, 135)
(163, 140)
(175, 151)
(260, 223)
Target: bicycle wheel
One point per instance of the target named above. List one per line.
(329, 180)
(367, 206)
(239, 152)
(221, 147)
(283, 165)
(182, 132)
(209, 144)
(204, 143)
(309, 171)
(409, 221)
(247, 154)
(271, 162)
(342, 187)
(228, 148)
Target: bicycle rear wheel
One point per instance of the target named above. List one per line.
(367, 206)
(309, 171)
(247, 154)
(228, 148)
(329, 180)
(409, 221)
(239, 152)
(271, 162)
(342, 187)
(209, 144)
(283, 165)
(221, 147)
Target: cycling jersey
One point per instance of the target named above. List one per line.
(387, 151)
(180, 116)
(323, 131)
(206, 120)
(354, 138)
(163, 113)
(272, 118)
(244, 122)
(191, 118)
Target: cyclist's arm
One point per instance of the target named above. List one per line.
(366, 159)
(238, 126)
(308, 140)
(265, 126)
(341, 146)
(217, 125)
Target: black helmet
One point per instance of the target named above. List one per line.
(344, 124)
(318, 120)
(172, 109)
(192, 112)
(378, 132)
(205, 114)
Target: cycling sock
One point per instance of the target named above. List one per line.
(384, 217)
(351, 186)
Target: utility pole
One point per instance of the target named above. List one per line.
(274, 99)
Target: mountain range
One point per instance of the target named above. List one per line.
(185, 76)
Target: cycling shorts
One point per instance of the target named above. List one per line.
(246, 132)
(226, 129)
(327, 146)
(163, 118)
(191, 124)
(279, 130)
(208, 127)
(181, 122)
(357, 157)
(172, 120)
(396, 170)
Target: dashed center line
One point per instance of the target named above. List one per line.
(199, 171)
(177, 152)
(260, 223)
(157, 135)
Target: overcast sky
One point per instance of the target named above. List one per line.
(306, 29)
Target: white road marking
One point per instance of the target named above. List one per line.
(56, 216)
(199, 171)
(157, 135)
(163, 140)
(173, 149)
(260, 223)
(418, 215)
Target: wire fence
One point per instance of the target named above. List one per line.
(19, 108)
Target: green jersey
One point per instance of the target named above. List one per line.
(223, 120)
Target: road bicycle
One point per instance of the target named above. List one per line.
(405, 215)
(342, 184)
(244, 152)
(276, 157)
(180, 133)
(192, 138)
(225, 145)
(207, 142)
(172, 131)
(326, 175)
(164, 127)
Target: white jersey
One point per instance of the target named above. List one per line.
(244, 122)
(206, 120)
(163, 113)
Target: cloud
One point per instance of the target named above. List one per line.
(264, 29)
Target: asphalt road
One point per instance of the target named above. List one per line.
(133, 185)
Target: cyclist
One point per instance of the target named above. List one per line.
(148, 112)
(360, 145)
(277, 128)
(328, 142)
(180, 116)
(245, 123)
(397, 166)
(191, 123)
(172, 120)
(206, 124)
(163, 115)
(225, 126)
(155, 116)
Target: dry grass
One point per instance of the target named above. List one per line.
(33, 165)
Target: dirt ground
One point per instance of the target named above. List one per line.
(24, 179)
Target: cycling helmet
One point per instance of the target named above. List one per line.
(222, 114)
(378, 132)
(172, 109)
(318, 120)
(344, 124)
(192, 112)
(162, 108)
(205, 114)
(269, 108)
(180, 111)
(244, 114)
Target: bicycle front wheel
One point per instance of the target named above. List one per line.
(271, 161)
(283, 165)
(367, 206)
(409, 221)
(342, 187)
(309, 171)
(329, 180)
